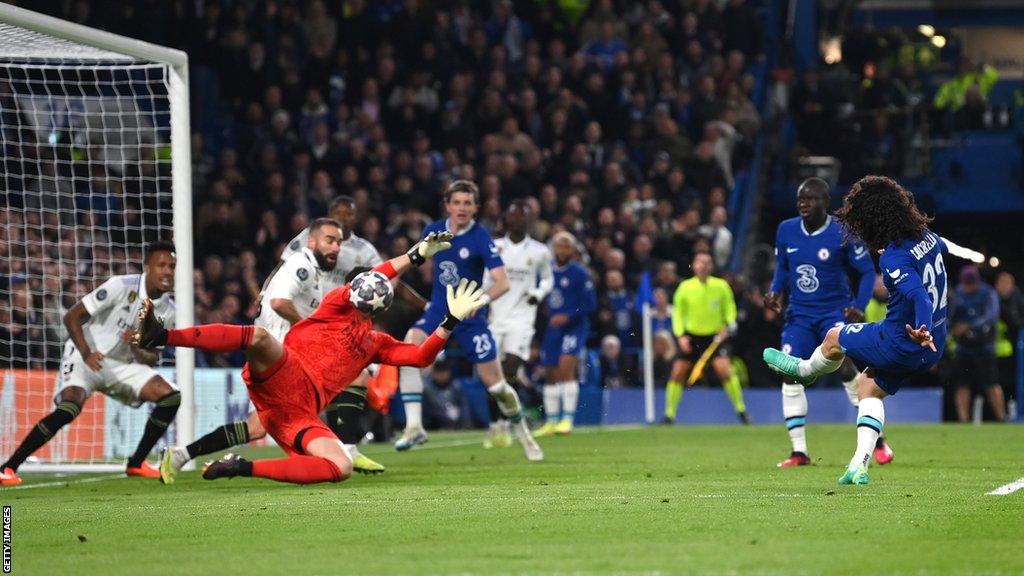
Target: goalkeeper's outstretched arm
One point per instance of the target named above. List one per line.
(431, 244)
(462, 302)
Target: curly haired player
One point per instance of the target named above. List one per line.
(911, 337)
(290, 383)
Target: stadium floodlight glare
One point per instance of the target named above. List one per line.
(926, 30)
(939, 41)
(95, 141)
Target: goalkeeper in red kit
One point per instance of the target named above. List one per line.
(291, 382)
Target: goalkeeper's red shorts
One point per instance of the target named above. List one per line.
(286, 402)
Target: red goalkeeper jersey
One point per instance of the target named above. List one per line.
(337, 342)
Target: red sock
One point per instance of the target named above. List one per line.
(212, 337)
(297, 469)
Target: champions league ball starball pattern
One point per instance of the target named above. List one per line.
(371, 292)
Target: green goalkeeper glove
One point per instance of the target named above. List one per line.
(430, 245)
(462, 302)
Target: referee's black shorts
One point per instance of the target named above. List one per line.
(698, 344)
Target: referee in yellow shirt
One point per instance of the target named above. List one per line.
(704, 311)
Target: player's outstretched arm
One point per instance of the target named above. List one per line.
(431, 244)
(462, 302)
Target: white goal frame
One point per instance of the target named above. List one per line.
(181, 185)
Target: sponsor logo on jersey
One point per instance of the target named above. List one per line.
(823, 254)
(894, 274)
(449, 275)
(791, 250)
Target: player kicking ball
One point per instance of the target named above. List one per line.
(570, 304)
(911, 338)
(98, 357)
(290, 383)
(472, 251)
(812, 264)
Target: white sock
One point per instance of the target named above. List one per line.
(507, 399)
(410, 382)
(552, 402)
(818, 364)
(352, 450)
(794, 410)
(570, 392)
(851, 390)
(870, 420)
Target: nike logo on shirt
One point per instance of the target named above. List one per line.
(791, 250)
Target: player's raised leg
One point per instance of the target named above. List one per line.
(825, 359)
(410, 385)
(69, 405)
(167, 399)
(262, 350)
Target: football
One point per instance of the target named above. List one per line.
(371, 292)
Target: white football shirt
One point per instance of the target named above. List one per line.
(528, 265)
(298, 279)
(354, 252)
(114, 307)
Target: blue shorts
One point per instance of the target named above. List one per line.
(892, 356)
(473, 336)
(802, 333)
(563, 341)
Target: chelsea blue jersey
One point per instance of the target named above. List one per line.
(812, 268)
(573, 293)
(472, 250)
(915, 275)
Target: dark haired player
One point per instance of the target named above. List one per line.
(471, 252)
(290, 383)
(812, 267)
(911, 338)
(98, 357)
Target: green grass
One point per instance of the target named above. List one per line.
(677, 500)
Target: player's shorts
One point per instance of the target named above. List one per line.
(802, 333)
(889, 352)
(513, 340)
(473, 336)
(287, 402)
(563, 341)
(122, 381)
(699, 345)
(976, 371)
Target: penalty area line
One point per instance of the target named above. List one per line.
(64, 482)
(1008, 488)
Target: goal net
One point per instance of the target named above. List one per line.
(94, 145)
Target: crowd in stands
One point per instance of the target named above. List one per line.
(622, 122)
(877, 112)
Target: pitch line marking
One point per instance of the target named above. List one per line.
(64, 482)
(1008, 489)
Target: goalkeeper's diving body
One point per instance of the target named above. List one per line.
(290, 382)
(880, 213)
(99, 357)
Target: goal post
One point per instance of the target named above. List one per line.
(95, 145)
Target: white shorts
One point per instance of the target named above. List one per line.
(122, 381)
(513, 340)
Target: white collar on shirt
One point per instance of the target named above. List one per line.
(466, 229)
(828, 220)
(523, 242)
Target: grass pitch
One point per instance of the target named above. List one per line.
(678, 500)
